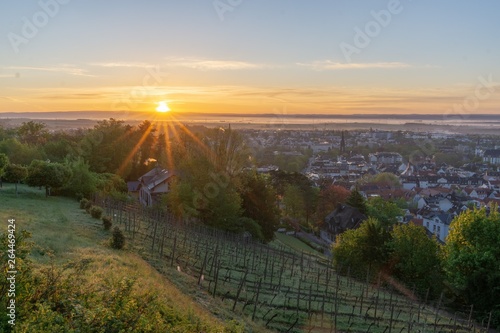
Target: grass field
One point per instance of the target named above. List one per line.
(64, 234)
(293, 243)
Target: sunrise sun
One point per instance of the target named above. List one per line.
(162, 107)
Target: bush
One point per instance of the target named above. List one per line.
(96, 212)
(107, 222)
(118, 239)
(83, 203)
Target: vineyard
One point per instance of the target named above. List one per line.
(280, 289)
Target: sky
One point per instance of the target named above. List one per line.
(251, 56)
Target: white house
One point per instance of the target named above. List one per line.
(438, 224)
(491, 156)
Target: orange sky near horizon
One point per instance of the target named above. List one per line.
(249, 100)
(295, 57)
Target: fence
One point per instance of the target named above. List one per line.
(281, 289)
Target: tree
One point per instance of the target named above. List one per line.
(4, 162)
(415, 259)
(258, 203)
(32, 133)
(209, 165)
(328, 199)
(49, 175)
(361, 249)
(387, 179)
(471, 259)
(109, 147)
(61, 145)
(384, 211)
(20, 153)
(15, 174)
(83, 182)
(294, 202)
(226, 150)
(356, 200)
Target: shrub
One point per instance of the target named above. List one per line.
(96, 212)
(107, 222)
(83, 203)
(118, 239)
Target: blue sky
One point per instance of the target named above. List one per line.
(250, 55)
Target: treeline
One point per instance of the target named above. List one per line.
(73, 163)
(111, 146)
(214, 182)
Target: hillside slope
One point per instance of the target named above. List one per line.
(77, 282)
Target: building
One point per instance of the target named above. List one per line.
(343, 218)
(492, 156)
(153, 185)
(386, 158)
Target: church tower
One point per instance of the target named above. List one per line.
(342, 144)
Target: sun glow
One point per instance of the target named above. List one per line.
(162, 107)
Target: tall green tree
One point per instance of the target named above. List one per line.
(415, 259)
(226, 151)
(33, 133)
(258, 203)
(471, 259)
(362, 249)
(293, 201)
(204, 189)
(109, 147)
(83, 182)
(49, 175)
(385, 211)
(20, 153)
(15, 173)
(357, 200)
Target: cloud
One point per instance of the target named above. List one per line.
(64, 68)
(206, 64)
(122, 64)
(325, 65)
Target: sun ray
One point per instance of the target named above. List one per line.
(167, 129)
(134, 150)
(196, 139)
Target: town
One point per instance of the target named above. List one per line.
(438, 175)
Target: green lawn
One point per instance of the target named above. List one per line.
(64, 235)
(293, 243)
(56, 224)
